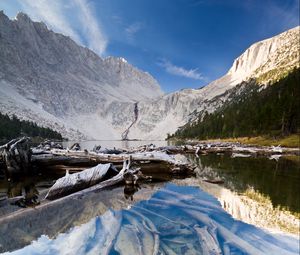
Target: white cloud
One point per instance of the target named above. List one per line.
(92, 31)
(133, 29)
(180, 71)
(51, 14)
(55, 14)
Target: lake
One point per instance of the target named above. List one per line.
(254, 211)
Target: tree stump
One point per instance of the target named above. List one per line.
(17, 157)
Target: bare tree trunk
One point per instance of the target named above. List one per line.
(16, 155)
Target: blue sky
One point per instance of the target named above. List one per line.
(182, 43)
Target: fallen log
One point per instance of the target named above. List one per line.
(240, 155)
(16, 155)
(148, 161)
(54, 159)
(214, 181)
(133, 177)
(78, 181)
(75, 147)
(97, 149)
(252, 150)
(85, 181)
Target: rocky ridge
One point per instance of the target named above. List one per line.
(47, 78)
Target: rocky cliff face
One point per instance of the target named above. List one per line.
(264, 61)
(276, 53)
(47, 78)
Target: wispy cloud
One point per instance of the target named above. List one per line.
(288, 14)
(56, 14)
(91, 28)
(180, 71)
(132, 29)
(52, 14)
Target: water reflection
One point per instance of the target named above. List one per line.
(277, 180)
(248, 193)
(19, 228)
(175, 220)
(31, 194)
(129, 191)
(28, 187)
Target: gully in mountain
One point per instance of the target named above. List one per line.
(136, 115)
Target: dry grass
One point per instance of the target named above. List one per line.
(288, 141)
(256, 196)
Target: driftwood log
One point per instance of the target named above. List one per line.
(149, 162)
(220, 147)
(70, 182)
(98, 177)
(19, 159)
(16, 156)
(75, 147)
(79, 181)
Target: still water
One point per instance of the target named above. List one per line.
(254, 211)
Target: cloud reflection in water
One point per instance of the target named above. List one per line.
(176, 220)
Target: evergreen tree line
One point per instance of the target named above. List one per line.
(273, 111)
(13, 127)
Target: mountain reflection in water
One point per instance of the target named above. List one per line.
(277, 180)
(175, 220)
(258, 191)
(172, 220)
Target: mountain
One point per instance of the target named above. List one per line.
(252, 110)
(47, 78)
(264, 61)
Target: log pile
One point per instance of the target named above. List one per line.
(106, 168)
(106, 165)
(221, 147)
(48, 145)
(147, 161)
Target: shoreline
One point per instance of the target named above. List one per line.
(292, 141)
